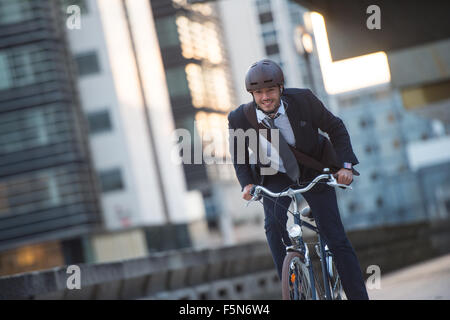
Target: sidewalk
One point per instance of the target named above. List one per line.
(429, 280)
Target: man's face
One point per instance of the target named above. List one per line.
(268, 99)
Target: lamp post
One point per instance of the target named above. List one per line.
(304, 45)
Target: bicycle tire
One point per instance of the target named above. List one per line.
(296, 282)
(335, 280)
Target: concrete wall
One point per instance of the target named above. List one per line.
(234, 272)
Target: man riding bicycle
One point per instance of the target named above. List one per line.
(292, 159)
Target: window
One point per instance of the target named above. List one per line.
(167, 32)
(13, 11)
(372, 148)
(23, 65)
(22, 130)
(30, 192)
(99, 121)
(352, 207)
(265, 17)
(366, 121)
(396, 143)
(272, 49)
(87, 63)
(199, 39)
(379, 201)
(391, 117)
(5, 76)
(111, 180)
(80, 3)
(270, 37)
(263, 5)
(348, 101)
(177, 82)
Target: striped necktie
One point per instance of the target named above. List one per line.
(285, 152)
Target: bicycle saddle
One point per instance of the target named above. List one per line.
(307, 213)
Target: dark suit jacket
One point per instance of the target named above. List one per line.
(306, 114)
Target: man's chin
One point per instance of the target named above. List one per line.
(268, 109)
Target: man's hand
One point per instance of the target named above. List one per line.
(246, 193)
(344, 176)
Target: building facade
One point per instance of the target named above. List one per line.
(49, 198)
(87, 167)
(201, 90)
(388, 190)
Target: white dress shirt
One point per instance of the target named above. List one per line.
(281, 122)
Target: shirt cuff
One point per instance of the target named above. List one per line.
(348, 165)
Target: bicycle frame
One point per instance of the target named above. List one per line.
(322, 256)
(300, 245)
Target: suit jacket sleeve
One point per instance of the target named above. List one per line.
(243, 171)
(334, 127)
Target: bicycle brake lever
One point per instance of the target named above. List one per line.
(342, 186)
(254, 198)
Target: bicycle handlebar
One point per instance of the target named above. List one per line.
(256, 190)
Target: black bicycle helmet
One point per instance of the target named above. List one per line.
(263, 74)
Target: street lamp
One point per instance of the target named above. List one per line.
(304, 45)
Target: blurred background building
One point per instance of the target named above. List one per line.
(388, 129)
(49, 195)
(201, 95)
(86, 138)
(89, 108)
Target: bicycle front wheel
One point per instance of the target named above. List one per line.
(335, 280)
(296, 280)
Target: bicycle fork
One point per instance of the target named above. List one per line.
(308, 263)
(323, 262)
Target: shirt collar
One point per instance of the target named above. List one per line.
(261, 115)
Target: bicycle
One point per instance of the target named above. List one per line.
(298, 279)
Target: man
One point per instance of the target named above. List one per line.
(297, 114)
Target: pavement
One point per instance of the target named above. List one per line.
(429, 280)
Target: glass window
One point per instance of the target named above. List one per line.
(12, 11)
(199, 40)
(270, 37)
(111, 180)
(272, 49)
(99, 121)
(87, 63)
(167, 32)
(80, 3)
(177, 82)
(17, 67)
(5, 75)
(29, 192)
(23, 71)
(21, 130)
(265, 17)
(263, 5)
(208, 87)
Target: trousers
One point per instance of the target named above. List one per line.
(323, 203)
